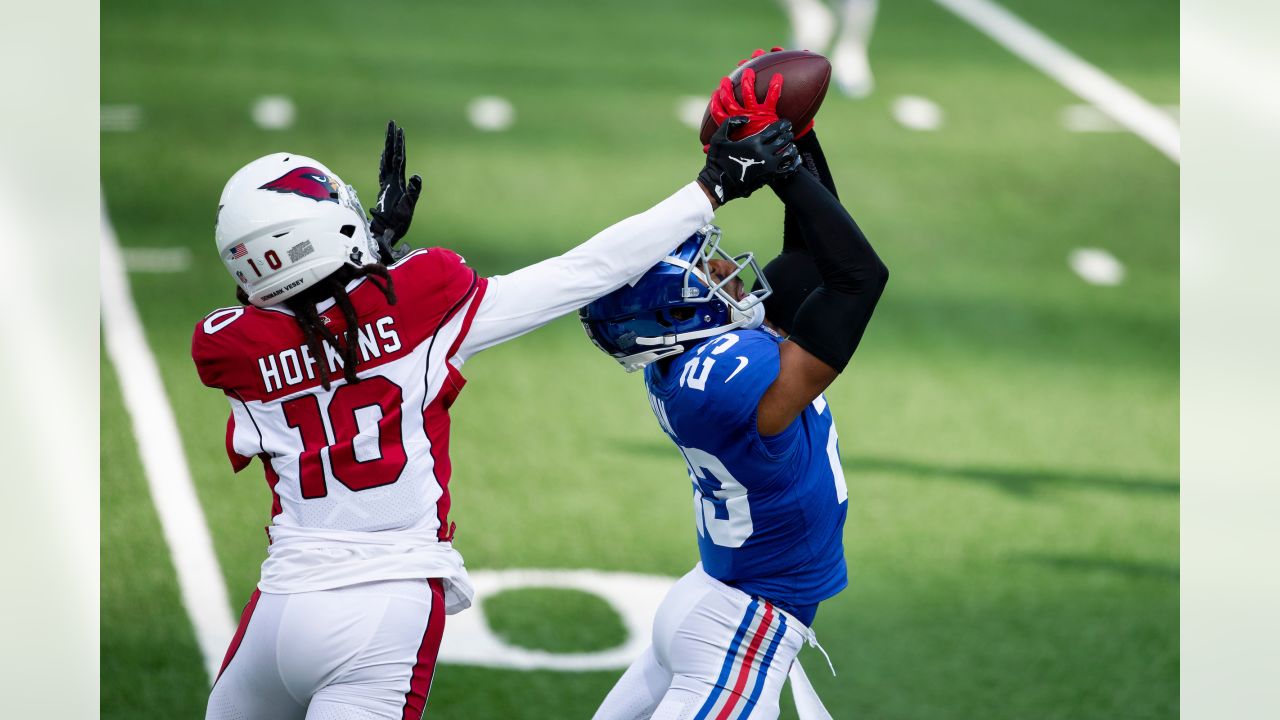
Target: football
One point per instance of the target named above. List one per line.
(806, 74)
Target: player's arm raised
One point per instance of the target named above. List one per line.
(830, 322)
(528, 298)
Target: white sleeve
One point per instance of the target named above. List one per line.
(533, 296)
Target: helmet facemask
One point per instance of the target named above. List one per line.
(677, 303)
(705, 290)
(349, 198)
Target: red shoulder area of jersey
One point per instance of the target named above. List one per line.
(432, 281)
(261, 354)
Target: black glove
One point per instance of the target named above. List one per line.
(737, 168)
(396, 199)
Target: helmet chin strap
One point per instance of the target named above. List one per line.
(749, 320)
(742, 317)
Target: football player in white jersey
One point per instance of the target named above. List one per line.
(340, 365)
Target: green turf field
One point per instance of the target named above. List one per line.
(1009, 432)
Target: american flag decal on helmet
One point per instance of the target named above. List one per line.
(237, 251)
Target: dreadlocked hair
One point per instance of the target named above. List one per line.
(334, 287)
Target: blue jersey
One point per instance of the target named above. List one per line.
(769, 511)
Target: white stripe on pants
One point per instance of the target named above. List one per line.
(716, 652)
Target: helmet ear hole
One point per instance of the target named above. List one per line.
(348, 230)
(682, 313)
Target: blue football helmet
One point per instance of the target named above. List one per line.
(675, 305)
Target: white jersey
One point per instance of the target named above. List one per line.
(359, 473)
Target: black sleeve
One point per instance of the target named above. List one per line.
(811, 159)
(831, 320)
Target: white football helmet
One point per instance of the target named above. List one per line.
(285, 222)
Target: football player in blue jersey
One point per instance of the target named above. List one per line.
(735, 379)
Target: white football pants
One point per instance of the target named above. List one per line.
(717, 654)
(364, 652)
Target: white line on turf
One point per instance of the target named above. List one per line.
(273, 112)
(1078, 76)
(491, 113)
(1096, 266)
(917, 113)
(157, 259)
(119, 118)
(689, 110)
(470, 640)
(1089, 119)
(204, 594)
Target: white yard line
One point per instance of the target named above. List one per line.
(1089, 119)
(1091, 84)
(157, 259)
(119, 118)
(273, 112)
(1096, 266)
(917, 113)
(689, 110)
(204, 594)
(491, 113)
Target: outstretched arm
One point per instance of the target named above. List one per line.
(532, 296)
(829, 323)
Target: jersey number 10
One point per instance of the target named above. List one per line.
(349, 405)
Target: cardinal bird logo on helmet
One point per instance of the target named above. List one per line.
(307, 182)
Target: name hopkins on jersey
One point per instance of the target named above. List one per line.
(295, 365)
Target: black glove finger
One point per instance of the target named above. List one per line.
(388, 150)
(415, 188)
(783, 136)
(768, 136)
(733, 123)
(783, 141)
(781, 128)
(790, 160)
(400, 160)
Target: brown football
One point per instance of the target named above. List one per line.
(806, 74)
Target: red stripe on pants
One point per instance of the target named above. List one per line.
(745, 670)
(239, 636)
(415, 700)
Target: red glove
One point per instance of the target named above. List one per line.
(757, 53)
(759, 114)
